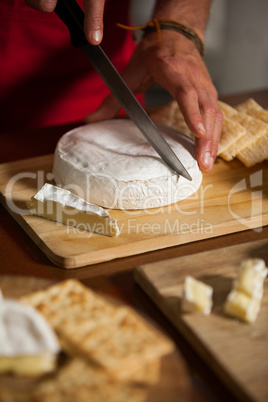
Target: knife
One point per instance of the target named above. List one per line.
(73, 17)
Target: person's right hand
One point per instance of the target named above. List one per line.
(93, 24)
(175, 64)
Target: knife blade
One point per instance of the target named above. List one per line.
(73, 17)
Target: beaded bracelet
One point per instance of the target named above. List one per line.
(157, 25)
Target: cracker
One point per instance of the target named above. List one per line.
(171, 115)
(80, 382)
(231, 132)
(255, 130)
(121, 346)
(148, 374)
(72, 297)
(242, 128)
(114, 337)
(255, 153)
(227, 110)
(252, 108)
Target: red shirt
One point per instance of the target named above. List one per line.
(43, 79)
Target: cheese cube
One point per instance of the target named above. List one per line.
(251, 277)
(197, 296)
(242, 306)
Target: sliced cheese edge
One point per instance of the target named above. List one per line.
(28, 365)
(60, 205)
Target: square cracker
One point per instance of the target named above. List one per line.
(114, 337)
(171, 115)
(227, 110)
(121, 347)
(78, 381)
(252, 108)
(71, 301)
(231, 132)
(255, 130)
(255, 153)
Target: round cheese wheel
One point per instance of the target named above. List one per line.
(111, 164)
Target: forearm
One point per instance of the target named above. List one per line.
(194, 13)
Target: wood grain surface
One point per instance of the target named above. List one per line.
(230, 199)
(236, 351)
(174, 377)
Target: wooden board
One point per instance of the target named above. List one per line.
(230, 199)
(236, 351)
(174, 377)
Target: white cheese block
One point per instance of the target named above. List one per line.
(61, 205)
(251, 277)
(111, 164)
(197, 296)
(241, 306)
(28, 345)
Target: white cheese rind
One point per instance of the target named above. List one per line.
(24, 331)
(197, 296)
(67, 199)
(61, 205)
(111, 164)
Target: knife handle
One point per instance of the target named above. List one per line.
(73, 17)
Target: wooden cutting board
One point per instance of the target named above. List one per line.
(231, 198)
(236, 351)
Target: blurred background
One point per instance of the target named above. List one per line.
(236, 45)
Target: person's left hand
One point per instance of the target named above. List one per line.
(175, 64)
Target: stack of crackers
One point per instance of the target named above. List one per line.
(244, 132)
(114, 354)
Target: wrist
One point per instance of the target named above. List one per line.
(200, 32)
(194, 14)
(170, 25)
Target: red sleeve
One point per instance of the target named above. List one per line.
(44, 80)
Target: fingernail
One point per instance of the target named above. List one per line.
(201, 128)
(207, 160)
(96, 36)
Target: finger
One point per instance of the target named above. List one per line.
(206, 147)
(188, 100)
(107, 110)
(181, 89)
(46, 6)
(93, 24)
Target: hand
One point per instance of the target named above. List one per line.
(93, 9)
(175, 64)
